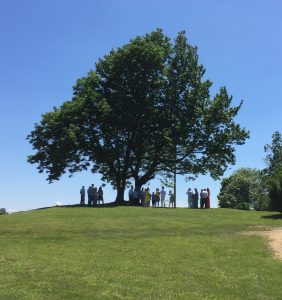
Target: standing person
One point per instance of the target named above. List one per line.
(201, 199)
(158, 195)
(136, 196)
(204, 198)
(82, 196)
(147, 197)
(171, 199)
(89, 194)
(153, 196)
(196, 198)
(142, 196)
(95, 196)
(100, 195)
(163, 193)
(130, 195)
(208, 204)
(190, 198)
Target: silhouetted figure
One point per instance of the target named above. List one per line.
(157, 198)
(82, 196)
(190, 198)
(195, 199)
(130, 195)
(136, 196)
(163, 194)
(100, 196)
(204, 195)
(171, 199)
(95, 196)
(208, 203)
(89, 192)
(142, 196)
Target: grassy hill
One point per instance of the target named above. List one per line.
(137, 253)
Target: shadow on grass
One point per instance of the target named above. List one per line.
(106, 205)
(276, 216)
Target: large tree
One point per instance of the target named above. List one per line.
(273, 171)
(202, 129)
(144, 109)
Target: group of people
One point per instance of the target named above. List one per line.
(144, 197)
(193, 198)
(95, 196)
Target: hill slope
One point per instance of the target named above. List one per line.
(137, 253)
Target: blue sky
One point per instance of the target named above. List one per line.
(47, 45)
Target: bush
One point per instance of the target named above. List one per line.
(244, 189)
(3, 211)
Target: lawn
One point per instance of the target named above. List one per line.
(137, 253)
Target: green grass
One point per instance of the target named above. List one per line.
(137, 253)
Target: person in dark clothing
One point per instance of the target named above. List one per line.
(142, 196)
(89, 192)
(153, 199)
(195, 198)
(95, 196)
(100, 196)
(157, 197)
(136, 197)
(82, 196)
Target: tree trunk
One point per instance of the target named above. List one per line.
(174, 186)
(120, 195)
(138, 183)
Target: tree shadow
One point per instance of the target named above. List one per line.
(273, 217)
(106, 205)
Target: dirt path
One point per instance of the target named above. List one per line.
(274, 237)
(275, 241)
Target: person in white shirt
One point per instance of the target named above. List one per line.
(190, 198)
(163, 194)
(204, 196)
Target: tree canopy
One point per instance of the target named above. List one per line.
(273, 171)
(244, 189)
(273, 158)
(3, 211)
(144, 109)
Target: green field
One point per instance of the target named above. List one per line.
(137, 253)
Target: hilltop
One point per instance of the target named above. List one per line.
(138, 253)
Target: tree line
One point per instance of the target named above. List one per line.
(256, 189)
(144, 109)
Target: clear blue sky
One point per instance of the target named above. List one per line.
(47, 45)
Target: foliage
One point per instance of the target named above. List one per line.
(144, 109)
(3, 211)
(275, 190)
(244, 189)
(201, 129)
(86, 253)
(274, 157)
(273, 171)
(110, 125)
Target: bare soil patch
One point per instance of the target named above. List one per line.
(274, 237)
